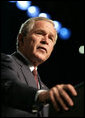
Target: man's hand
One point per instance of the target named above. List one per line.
(58, 96)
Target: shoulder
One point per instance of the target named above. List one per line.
(5, 57)
(6, 60)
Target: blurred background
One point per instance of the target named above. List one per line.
(66, 64)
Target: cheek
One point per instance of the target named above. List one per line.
(51, 48)
(32, 46)
(27, 46)
(49, 52)
(33, 40)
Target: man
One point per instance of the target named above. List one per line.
(21, 95)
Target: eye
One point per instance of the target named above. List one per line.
(51, 38)
(39, 32)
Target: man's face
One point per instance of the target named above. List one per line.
(39, 42)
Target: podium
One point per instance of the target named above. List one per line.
(77, 110)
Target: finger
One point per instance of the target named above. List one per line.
(70, 88)
(55, 105)
(59, 98)
(65, 95)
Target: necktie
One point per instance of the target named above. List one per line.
(35, 76)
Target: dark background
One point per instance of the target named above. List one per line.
(66, 64)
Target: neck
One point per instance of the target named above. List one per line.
(32, 62)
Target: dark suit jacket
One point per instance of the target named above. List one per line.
(18, 88)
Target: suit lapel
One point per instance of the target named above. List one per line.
(29, 78)
(24, 66)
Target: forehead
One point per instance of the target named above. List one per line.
(45, 25)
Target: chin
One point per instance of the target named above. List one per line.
(40, 58)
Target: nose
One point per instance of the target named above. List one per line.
(45, 39)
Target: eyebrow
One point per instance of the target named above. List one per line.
(44, 32)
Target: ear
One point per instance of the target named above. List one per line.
(20, 38)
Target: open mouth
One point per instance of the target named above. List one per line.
(42, 48)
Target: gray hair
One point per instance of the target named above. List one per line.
(28, 25)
